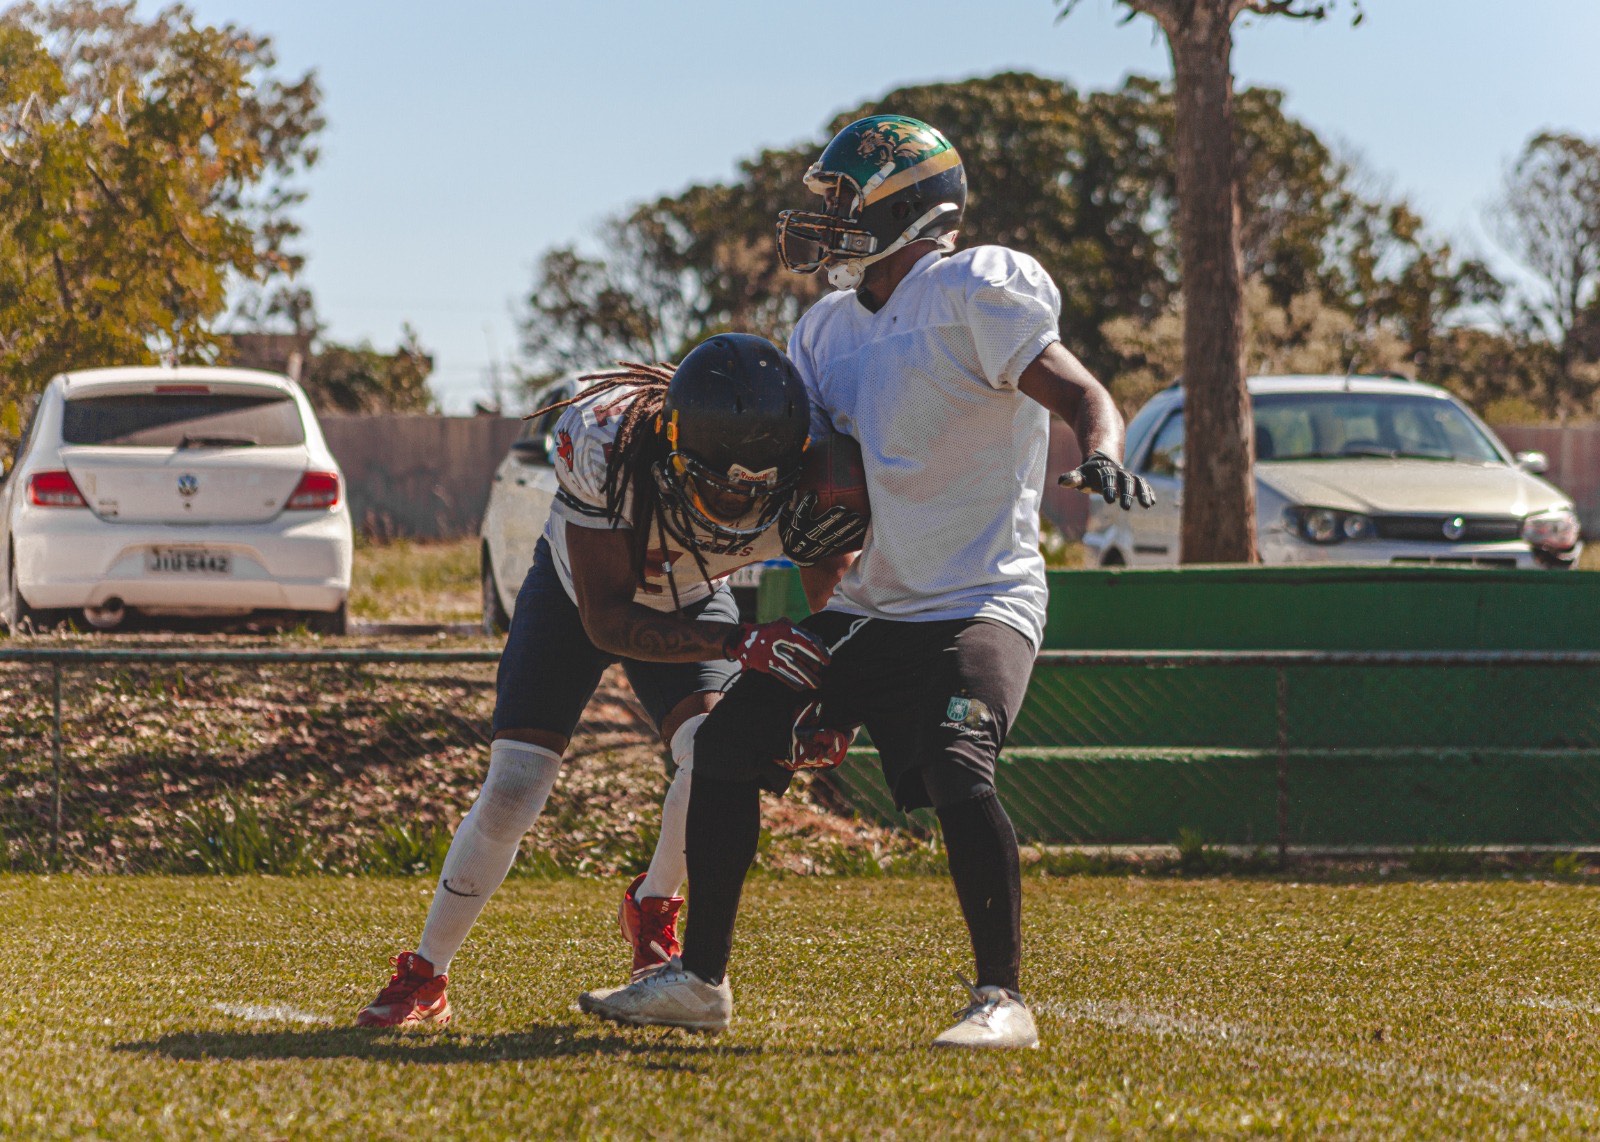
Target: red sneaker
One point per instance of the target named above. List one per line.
(414, 997)
(650, 926)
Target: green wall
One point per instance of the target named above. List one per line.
(1391, 755)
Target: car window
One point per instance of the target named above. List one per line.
(1139, 431)
(1166, 453)
(152, 420)
(542, 428)
(1315, 426)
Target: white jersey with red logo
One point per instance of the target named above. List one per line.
(585, 436)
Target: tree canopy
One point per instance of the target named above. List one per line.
(1084, 181)
(145, 165)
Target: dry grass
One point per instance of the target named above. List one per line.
(404, 581)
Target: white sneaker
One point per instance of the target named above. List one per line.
(666, 997)
(995, 1018)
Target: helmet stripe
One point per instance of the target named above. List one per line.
(927, 168)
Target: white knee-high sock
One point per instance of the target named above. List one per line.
(669, 865)
(513, 795)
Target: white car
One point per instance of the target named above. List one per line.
(1354, 470)
(520, 496)
(195, 492)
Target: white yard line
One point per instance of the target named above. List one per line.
(271, 1013)
(1556, 1003)
(1258, 1041)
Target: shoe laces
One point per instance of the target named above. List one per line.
(405, 982)
(658, 929)
(651, 969)
(983, 1005)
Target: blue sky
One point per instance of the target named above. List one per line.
(466, 138)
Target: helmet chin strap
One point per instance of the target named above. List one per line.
(847, 274)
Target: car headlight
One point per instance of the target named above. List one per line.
(1553, 531)
(1328, 525)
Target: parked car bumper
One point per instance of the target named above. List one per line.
(1278, 547)
(295, 562)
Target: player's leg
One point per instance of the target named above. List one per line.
(677, 696)
(734, 760)
(547, 673)
(940, 748)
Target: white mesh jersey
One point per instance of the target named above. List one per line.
(954, 453)
(585, 435)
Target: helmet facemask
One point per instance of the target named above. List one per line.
(694, 499)
(885, 181)
(809, 241)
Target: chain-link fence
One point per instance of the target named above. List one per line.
(1296, 748)
(284, 760)
(186, 759)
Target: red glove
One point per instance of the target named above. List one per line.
(813, 745)
(791, 655)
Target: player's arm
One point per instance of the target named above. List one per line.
(1061, 382)
(603, 580)
(823, 576)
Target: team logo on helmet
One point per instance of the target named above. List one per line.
(885, 180)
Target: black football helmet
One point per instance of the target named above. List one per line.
(885, 180)
(736, 419)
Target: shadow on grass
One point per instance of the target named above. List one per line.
(666, 1050)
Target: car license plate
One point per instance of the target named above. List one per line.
(187, 561)
(747, 576)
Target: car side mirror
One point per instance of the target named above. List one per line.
(1535, 462)
(533, 450)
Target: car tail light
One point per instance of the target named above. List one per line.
(55, 490)
(184, 390)
(315, 490)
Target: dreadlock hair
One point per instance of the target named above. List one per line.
(639, 447)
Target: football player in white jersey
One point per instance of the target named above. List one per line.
(945, 367)
(669, 480)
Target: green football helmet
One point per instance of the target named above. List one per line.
(885, 180)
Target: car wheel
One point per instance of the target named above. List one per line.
(495, 620)
(18, 616)
(329, 622)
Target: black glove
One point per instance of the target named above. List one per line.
(809, 535)
(1100, 473)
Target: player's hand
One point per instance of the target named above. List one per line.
(790, 654)
(1100, 473)
(813, 745)
(809, 535)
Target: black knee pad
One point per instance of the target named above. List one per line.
(951, 783)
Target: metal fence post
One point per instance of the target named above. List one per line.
(55, 793)
(1283, 767)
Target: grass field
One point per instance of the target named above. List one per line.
(403, 581)
(200, 1007)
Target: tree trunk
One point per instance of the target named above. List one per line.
(1219, 495)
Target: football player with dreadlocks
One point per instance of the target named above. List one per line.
(669, 481)
(945, 367)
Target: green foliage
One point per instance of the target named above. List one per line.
(1550, 219)
(230, 838)
(361, 379)
(1443, 860)
(1567, 865)
(143, 164)
(399, 850)
(1085, 182)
